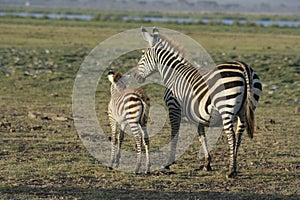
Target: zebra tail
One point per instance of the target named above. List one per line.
(145, 112)
(250, 120)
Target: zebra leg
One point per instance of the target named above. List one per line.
(202, 138)
(175, 119)
(139, 154)
(232, 152)
(113, 126)
(146, 145)
(239, 132)
(120, 141)
(135, 128)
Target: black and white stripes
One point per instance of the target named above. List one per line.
(232, 89)
(128, 106)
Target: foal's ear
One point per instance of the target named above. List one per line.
(147, 36)
(117, 76)
(110, 76)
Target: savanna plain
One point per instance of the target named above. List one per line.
(42, 156)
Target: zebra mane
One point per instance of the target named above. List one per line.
(174, 45)
(182, 53)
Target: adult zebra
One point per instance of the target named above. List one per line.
(232, 89)
(128, 106)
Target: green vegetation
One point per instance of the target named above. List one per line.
(42, 156)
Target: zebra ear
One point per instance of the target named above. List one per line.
(117, 76)
(111, 72)
(110, 77)
(147, 36)
(155, 34)
(155, 31)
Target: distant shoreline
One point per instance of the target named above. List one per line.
(266, 7)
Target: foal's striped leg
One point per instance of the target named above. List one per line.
(135, 128)
(113, 126)
(146, 145)
(119, 142)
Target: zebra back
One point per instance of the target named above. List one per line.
(126, 99)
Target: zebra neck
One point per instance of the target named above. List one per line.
(114, 90)
(171, 66)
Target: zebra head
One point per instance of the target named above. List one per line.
(148, 62)
(118, 81)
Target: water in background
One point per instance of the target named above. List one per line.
(179, 20)
(49, 15)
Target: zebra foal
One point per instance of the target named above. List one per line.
(232, 89)
(128, 106)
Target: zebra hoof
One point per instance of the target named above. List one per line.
(110, 168)
(166, 171)
(207, 168)
(147, 173)
(232, 174)
(136, 172)
(167, 167)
